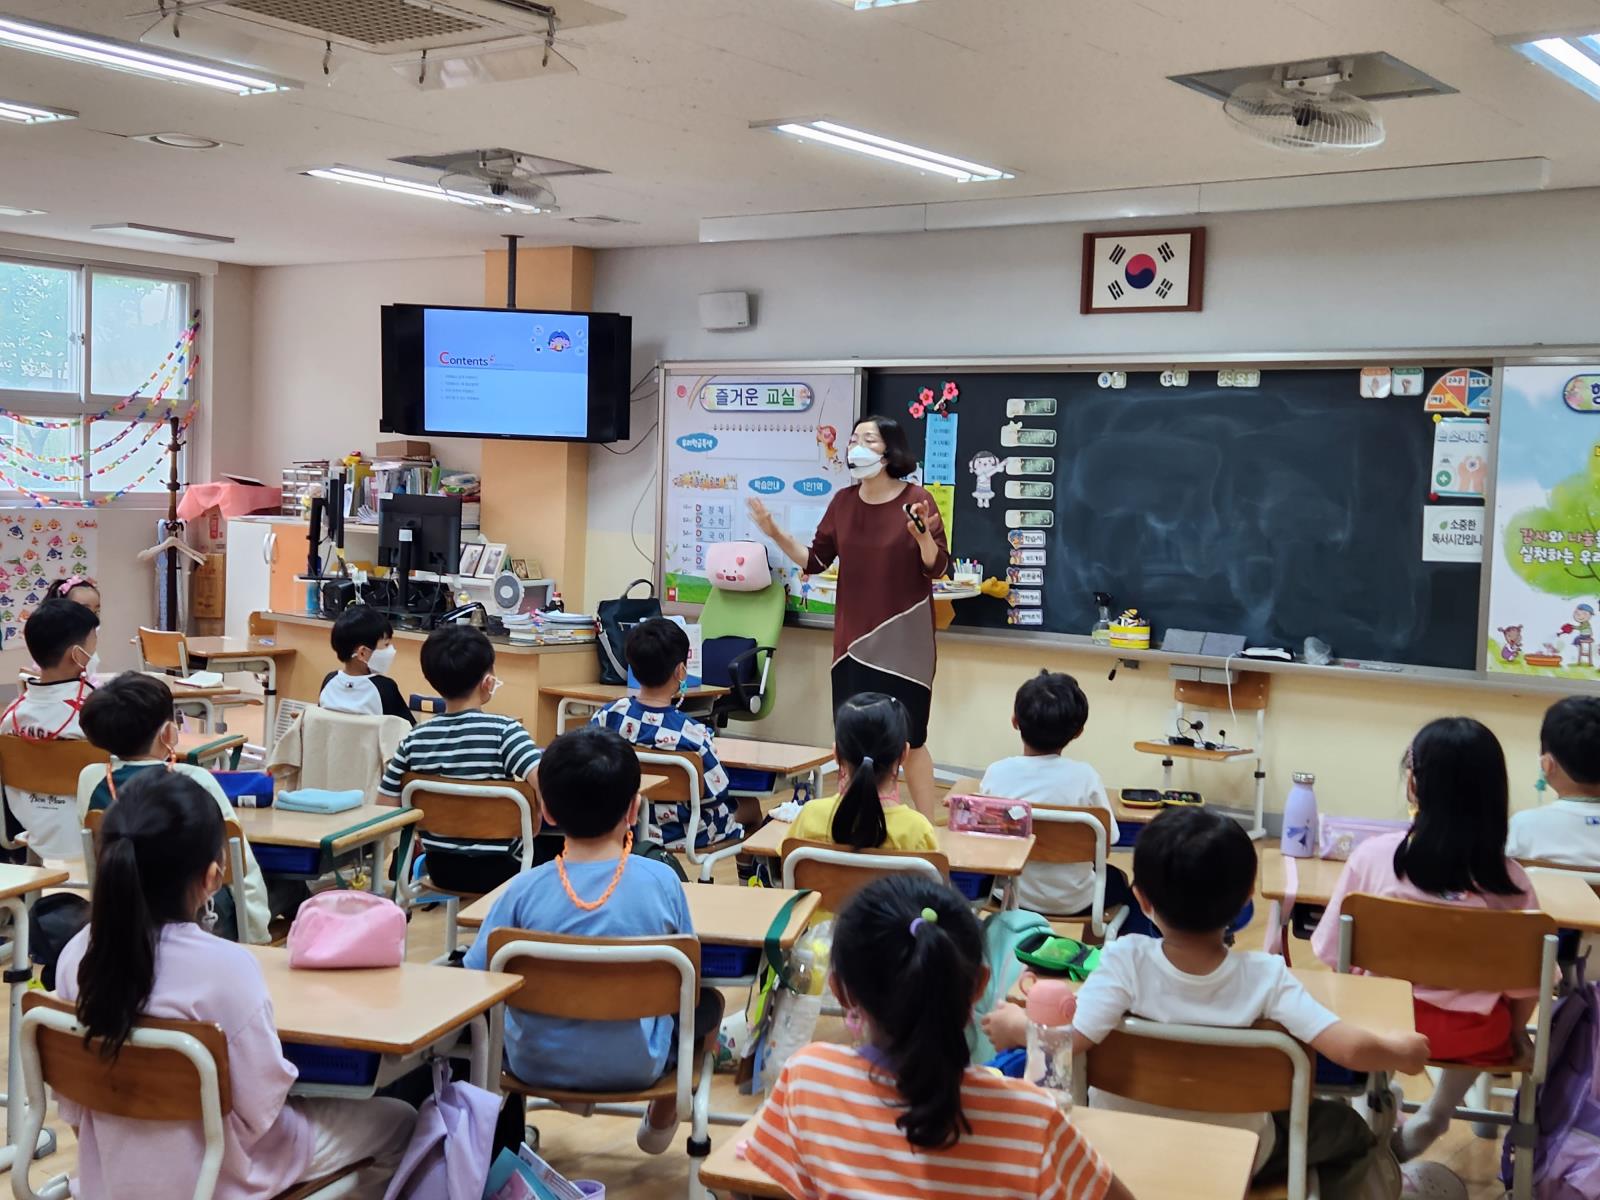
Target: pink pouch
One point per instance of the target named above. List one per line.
(340, 928)
(991, 814)
(1337, 837)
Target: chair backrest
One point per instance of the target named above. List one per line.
(164, 650)
(95, 819)
(836, 873)
(1445, 946)
(596, 979)
(166, 1071)
(262, 625)
(50, 768)
(1068, 835)
(472, 808)
(684, 773)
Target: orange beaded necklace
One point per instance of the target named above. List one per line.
(591, 905)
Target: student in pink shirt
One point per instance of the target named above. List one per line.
(1454, 853)
(145, 954)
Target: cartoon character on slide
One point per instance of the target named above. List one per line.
(559, 341)
(1582, 630)
(985, 465)
(827, 438)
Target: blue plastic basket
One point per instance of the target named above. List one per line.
(333, 1064)
(288, 860)
(971, 884)
(729, 962)
(748, 779)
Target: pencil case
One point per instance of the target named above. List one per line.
(1337, 837)
(992, 815)
(246, 789)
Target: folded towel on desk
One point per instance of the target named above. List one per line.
(320, 800)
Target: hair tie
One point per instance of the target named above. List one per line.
(926, 917)
(867, 763)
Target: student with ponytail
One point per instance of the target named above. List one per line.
(145, 953)
(906, 1104)
(870, 740)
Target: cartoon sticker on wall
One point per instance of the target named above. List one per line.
(985, 465)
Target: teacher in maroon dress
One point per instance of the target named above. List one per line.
(883, 616)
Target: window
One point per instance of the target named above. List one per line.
(85, 350)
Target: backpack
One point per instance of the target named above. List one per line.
(452, 1146)
(616, 617)
(1566, 1156)
(1002, 933)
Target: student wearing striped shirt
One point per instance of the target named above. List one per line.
(905, 1113)
(464, 743)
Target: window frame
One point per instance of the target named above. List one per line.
(82, 403)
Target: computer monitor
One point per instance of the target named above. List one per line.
(419, 533)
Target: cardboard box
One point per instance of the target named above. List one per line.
(404, 448)
(208, 598)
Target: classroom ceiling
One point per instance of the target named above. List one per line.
(1072, 95)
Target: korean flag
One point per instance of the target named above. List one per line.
(1141, 271)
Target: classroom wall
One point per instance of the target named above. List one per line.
(1491, 271)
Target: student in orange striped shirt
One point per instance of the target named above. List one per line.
(905, 1114)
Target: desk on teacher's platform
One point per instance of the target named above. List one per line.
(1156, 1157)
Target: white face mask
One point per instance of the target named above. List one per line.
(381, 660)
(864, 462)
(92, 667)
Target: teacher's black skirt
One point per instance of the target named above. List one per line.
(851, 678)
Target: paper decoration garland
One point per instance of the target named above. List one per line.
(179, 352)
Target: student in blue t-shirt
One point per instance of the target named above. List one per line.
(589, 787)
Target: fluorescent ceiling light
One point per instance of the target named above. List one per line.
(160, 233)
(33, 114)
(116, 55)
(7, 211)
(427, 191)
(843, 137)
(1575, 59)
(861, 5)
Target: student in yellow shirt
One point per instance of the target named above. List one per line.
(870, 734)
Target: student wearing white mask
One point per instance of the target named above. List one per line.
(363, 638)
(887, 537)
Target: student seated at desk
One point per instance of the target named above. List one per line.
(80, 589)
(132, 719)
(143, 955)
(1050, 712)
(589, 787)
(1568, 831)
(61, 637)
(363, 639)
(1193, 870)
(464, 743)
(870, 740)
(1454, 853)
(907, 1105)
(658, 655)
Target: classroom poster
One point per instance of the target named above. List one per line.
(775, 435)
(1544, 585)
(1452, 533)
(1460, 457)
(37, 548)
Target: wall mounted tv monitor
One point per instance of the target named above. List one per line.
(505, 373)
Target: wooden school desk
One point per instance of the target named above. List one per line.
(201, 701)
(243, 654)
(776, 760)
(211, 750)
(969, 853)
(305, 844)
(1567, 899)
(1156, 1157)
(397, 1012)
(19, 887)
(722, 916)
(559, 703)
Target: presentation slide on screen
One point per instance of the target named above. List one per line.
(520, 374)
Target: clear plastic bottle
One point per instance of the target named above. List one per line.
(1050, 1005)
(1100, 631)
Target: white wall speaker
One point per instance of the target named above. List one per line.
(725, 310)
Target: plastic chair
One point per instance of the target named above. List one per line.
(836, 873)
(492, 809)
(167, 1071)
(50, 768)
(615, 979)
(232, 867)
(757, 616)
(1203, 1068)
(1443, 946)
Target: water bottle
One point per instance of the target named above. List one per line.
(1300, 818)
(1050, 1005)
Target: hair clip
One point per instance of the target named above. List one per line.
(927, 917)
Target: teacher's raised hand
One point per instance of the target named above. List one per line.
(762, 518)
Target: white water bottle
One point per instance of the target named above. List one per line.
(1300, 818)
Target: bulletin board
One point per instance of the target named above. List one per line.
(1544, 585)
(776, 432)
(37, 547)
(1275, 503)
